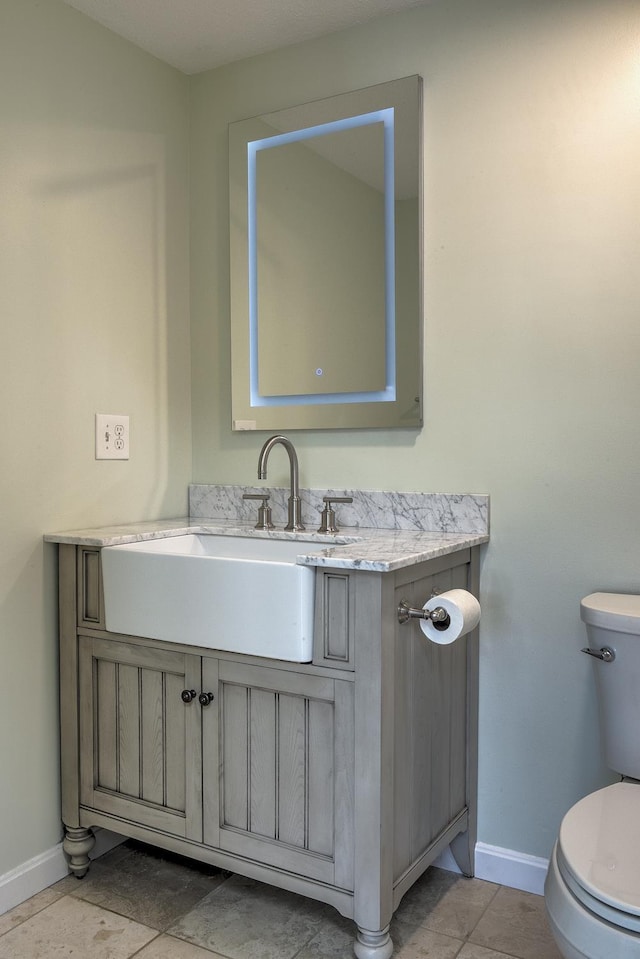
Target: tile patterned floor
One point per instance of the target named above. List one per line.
(136, 901)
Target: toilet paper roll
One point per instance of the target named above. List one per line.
(464, 614)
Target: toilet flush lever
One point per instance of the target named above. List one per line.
(606, 654)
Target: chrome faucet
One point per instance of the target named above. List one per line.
(295, 517)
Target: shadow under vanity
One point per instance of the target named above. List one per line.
(342, 778)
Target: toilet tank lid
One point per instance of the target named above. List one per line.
(617, 611)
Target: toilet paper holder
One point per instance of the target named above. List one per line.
(438, 616)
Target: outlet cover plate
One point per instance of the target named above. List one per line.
(112, 436)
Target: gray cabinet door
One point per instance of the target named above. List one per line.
(140, 744)
(284, 751)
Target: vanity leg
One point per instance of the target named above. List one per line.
(78, 843)
(373, 945)
(463, 851)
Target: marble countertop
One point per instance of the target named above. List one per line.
(377, 550)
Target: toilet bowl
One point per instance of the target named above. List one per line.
(592, 889)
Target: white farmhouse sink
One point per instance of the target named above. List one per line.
(242, 594)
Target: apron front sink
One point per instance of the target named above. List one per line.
(241, 594)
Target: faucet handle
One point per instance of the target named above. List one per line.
(328, 517)
(264, 510)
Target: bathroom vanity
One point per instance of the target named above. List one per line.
(341, 779)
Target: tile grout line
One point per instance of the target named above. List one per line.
(305, 944)
(467, 938)
(214, 955)
(113, 912)
(75, 892)
(138, 951)
(32, 915)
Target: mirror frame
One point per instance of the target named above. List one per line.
(399, 404)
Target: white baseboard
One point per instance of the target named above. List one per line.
(35, 875)
(504, 866)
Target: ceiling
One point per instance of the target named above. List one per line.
(197, 35)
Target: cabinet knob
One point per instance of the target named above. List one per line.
(205, 698)
(187, 695)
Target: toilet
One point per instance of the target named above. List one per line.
(592, 889)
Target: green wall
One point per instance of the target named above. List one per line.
(532, 345)
(531, 341)
(94, 318)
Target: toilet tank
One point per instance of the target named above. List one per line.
(613, 619)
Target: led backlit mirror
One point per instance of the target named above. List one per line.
(326, 305)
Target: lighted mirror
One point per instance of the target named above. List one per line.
(326, 266)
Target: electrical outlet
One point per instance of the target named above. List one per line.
(112, 436)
